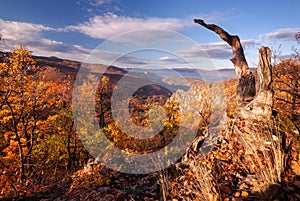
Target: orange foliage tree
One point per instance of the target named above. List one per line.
(20, 105)
(36, 124)
(58, 145)
(286, 75)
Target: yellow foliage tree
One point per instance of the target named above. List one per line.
(26, 101)
(35, 120)
(19, 104)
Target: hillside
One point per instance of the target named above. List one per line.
(250, 159)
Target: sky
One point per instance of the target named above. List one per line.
(144, 33)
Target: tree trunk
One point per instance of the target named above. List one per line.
(246, 81)
(261, 107)
(255, 100)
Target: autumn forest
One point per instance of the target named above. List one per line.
(42, 156)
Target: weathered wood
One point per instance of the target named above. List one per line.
(255, 96)
(239, 61)
(246, 91)
(246, 85)
(264, 71)
(260, 108)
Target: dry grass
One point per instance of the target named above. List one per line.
(252, 147)
(196, 183)
(162, 177)
(163, 181)
(262, 151)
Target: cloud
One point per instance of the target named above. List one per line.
(218, 50)
(249, 43)
(99, 2)
(21, 31)
(94, 3)
(214, 17)
(131, 60)
(214, 50)
(110, 25)
(282, 34)
(31, 35)
(167, 59)
(48, 47)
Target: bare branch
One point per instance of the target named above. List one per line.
(238, 60)
(246, 87)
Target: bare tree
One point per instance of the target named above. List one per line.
(246, 86)
(255, 100)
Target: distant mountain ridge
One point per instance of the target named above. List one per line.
(207, 75)
(71, 67)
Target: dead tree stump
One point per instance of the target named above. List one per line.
(246, 80)
(260, 107)
(254, 95)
